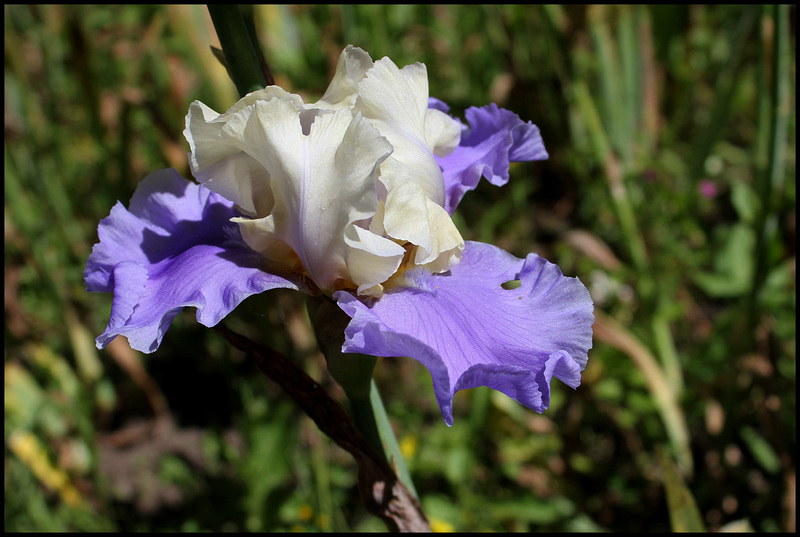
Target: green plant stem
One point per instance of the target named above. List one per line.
(774, 111)
(382, 491)
(665, 348)
(616, 185)
(354, 372)
(370, 418)
(242, 55)
(723, 91)
(363, 414)
(390, 446)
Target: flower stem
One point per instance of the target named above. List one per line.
(384, 494)
(353, 372)
(774, 118)
(240, 47)
(390, 446)
(361, 404)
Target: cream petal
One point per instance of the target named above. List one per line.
(323, 182)
(242, 180)
(442, 132)
(395, 97)
(410, 216)
(349, 218)
(396, 101)
(412, 162)
(371, 259)
(221, 166)
(351, 69)
(266, 94)
(446, 241)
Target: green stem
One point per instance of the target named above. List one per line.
(773, 121)
(665, 347)
(390, 446)
(616, 185)
(370, 418)
(353, 372)
(242, 54)
(361, 403)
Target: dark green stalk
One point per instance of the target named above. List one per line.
(353, 372)
(773, 121)
(723, 92)
(250, 24)
(781, 99)
(382, 492)
(242, 54)
(361, 409)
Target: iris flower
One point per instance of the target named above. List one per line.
(350, 197)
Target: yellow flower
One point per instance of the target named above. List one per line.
(408, 446)
(441, 526)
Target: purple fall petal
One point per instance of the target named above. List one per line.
(173, 248)
(495, 138)
(469, 331)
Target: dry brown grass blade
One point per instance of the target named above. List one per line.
(594, 248)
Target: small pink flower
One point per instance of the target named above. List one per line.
(708, 189)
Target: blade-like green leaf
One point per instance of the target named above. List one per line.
(683, 512)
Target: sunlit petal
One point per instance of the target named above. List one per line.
(469, 331)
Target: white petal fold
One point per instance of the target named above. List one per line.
(323, 183)
(223, 167)
(351, 69)
(396, 101)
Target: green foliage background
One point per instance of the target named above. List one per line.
(669, 191)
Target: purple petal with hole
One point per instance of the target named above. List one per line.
(469, 329)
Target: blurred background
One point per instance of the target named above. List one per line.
(670, 192)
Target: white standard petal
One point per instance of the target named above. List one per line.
(351, 69)
(323, 182)
(442, 132)
(223, 167)
(410, 216)
(370, 258)
(396, 102)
